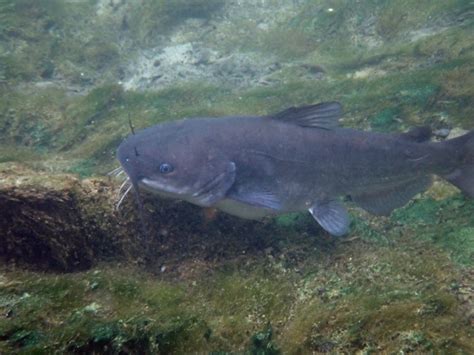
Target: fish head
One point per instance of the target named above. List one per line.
(176, 160)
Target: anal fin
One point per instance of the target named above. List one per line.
(382, 201)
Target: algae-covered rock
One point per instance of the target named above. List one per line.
(56, 221)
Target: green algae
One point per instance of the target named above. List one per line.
(447, 223)
(394, 297)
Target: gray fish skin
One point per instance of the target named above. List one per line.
(296, 160)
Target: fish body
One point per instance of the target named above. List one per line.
(295, 160)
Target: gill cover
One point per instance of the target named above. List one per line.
(218, 177)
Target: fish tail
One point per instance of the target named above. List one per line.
(463, 175)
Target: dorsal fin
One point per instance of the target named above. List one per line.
(324, 115)
(418, 134)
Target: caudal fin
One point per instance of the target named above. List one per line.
(463, 176)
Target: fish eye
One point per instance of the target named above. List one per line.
(166, 168)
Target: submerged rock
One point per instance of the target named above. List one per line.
(55, 221)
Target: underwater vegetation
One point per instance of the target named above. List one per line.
(77, 276)
(374, 298)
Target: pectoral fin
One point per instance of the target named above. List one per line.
(260, 199)
(332, 216)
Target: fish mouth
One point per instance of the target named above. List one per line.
(190, 194)
(161, 188)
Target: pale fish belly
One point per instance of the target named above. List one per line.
(244, 210)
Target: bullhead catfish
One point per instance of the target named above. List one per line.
(296, 160)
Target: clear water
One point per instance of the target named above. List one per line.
(79, 276)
